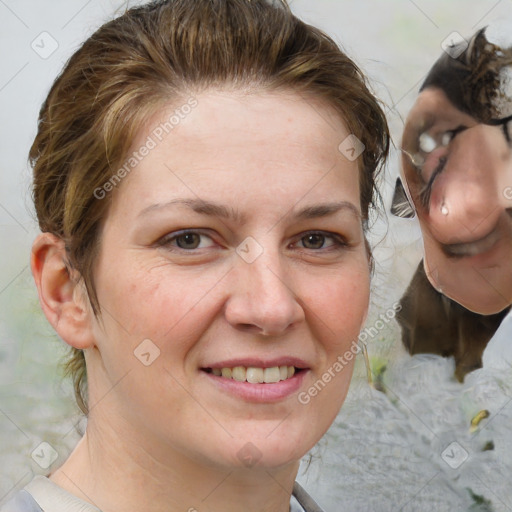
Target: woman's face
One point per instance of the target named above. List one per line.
(457, 171)
(235, 242)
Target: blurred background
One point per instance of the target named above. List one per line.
(385, 451)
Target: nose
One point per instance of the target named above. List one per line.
(262, 300)
(465, 196)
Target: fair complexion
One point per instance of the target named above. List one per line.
(173, 435)
(465, 218)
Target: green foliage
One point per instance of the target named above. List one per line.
(480, 503)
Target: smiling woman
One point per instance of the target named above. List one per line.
(206, 289)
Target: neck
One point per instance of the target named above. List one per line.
(113, 472)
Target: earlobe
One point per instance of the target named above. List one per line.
(62, 298)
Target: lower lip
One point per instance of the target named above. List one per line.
(259, 393)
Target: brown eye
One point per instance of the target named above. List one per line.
(321, 243)
(313, 241)
(188, 241)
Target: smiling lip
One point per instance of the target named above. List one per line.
(259, 393)
(473, 248)
(259, 363)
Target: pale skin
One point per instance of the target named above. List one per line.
(467, 226)
(166, 437)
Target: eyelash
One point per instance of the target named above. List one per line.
(339, 242)
(167, 240)
(426, 191)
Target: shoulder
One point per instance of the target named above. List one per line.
(301, 501)
(43, 495)
(22, 502)
(498, 352)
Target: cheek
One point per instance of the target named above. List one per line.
(339, 304)
(154, 299)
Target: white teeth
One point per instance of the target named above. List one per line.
(239, 373)
(271, 374)
(255, 375)
(226, 372)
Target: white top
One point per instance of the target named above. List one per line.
(498, 352)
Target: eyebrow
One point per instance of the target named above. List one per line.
(324, 210)
(199, 206)
(218, 210)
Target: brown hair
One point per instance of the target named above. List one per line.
(157, 52)
(472, 81)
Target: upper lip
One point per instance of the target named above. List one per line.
(474, 247)
(258, 362)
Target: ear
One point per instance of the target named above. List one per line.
(62, 296)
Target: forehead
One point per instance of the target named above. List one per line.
(238, 118)
(234, 144)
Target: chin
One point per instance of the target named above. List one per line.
(483, 289)
(483, 302)
(255, 455)
(270, 450)
(485, 306)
